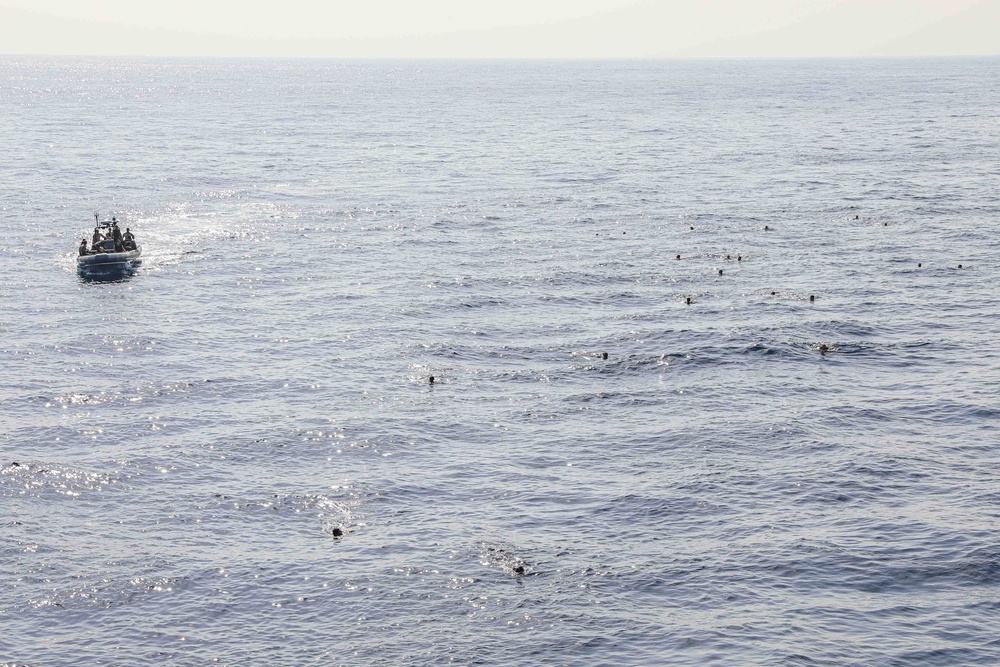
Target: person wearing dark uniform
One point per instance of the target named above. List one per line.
(83, 247)
(97, 238)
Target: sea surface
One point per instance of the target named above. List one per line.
(235, 455)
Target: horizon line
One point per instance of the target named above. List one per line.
(105, 56)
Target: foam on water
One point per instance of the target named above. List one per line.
(235, 455)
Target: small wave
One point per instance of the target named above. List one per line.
(505, 557)
(20, 478)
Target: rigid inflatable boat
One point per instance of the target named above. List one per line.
(108, 256)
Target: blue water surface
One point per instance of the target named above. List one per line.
(236, 456)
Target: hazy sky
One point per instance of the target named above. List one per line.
(502, 28)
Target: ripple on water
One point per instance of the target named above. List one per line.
(235, 455)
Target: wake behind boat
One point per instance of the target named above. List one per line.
(111, 252)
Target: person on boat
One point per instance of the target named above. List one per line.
(83, 247)
(98, 237)
(119, 246)
(128, 240)
(116, 233)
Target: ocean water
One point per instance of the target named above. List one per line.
(235, 456)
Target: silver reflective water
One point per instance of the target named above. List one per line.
(236, 455)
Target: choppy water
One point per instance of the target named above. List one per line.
(180, 449)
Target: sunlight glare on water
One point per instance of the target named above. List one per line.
(709, 384)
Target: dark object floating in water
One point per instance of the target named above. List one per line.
(431, 379)
(688, 301)
(823, 349)
(510, 563)
(337, 532)
(604, 355)
(766, 228)
(720, 272)
(812, 298)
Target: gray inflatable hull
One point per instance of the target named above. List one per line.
(108, 260)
